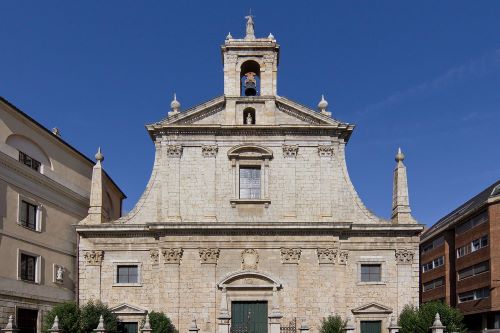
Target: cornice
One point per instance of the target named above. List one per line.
(342, 229)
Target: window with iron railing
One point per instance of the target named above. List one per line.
(29, 161)
(27, 215)
(28, 267)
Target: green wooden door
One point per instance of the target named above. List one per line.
(371, 326)
(249, 317)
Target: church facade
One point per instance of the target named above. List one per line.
(249, 221)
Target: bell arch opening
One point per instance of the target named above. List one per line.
(250, 78)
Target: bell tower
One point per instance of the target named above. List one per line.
(250, 64)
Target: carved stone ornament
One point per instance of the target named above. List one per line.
(154, 255)
(59, 274)
(327, 256)
(172, 256)
(290, 150)
(249, 259)
(325, 151)
(209, 150)
(93, 257)
(290, 256)
(174, 151)
(209, 256)
(404, 256)
(343, 257)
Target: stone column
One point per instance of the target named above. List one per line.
(173, 154)
(326, 153)
(437, 326)
(170, 281)
(93, 261)
(289, 193)
(209, 153)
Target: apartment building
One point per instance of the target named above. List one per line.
(460, 260)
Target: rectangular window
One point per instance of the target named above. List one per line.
(432, 245)
(433, 284)
(473, 246)
(371, 273)
(27, 215)
(127, 274)
(371, 326)
(474, 270)
(474, 295)
(29, 161)
(28, 267)
(250, 182)
(433, 264)
(473, 222)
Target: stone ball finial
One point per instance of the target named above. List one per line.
(99, 156)
(175, 105)
(271, 36)
(229, 36)
(400, 156)
(323, 104)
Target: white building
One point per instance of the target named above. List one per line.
(250, 219)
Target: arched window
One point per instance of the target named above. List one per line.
(249, 116)
(30, 153)
(250, 78)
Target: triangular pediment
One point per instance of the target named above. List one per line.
(372, 308)
(125, 308)
(212, 112)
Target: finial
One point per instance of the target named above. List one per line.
(437, 320)
(56, 131)
(250, 32)
(323, 104)
(229, 36)
(100, 327)
(10, 324)
(175, 105)
(400, 156)
(55, 325)
(271, 36)
(147, 325)
(99, 156)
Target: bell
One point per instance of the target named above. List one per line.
(250, 89)
(250, 84)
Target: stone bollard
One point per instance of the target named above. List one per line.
(393, 325)
(193, 328)
(10, 327)
(55, 326)
(100, 328)
(147, 326)
(437, 326)
(304, 327)
(350, 327)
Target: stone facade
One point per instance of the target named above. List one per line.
(299, 242)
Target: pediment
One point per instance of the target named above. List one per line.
(212, 113)
(249, 279)
(128, 309)
(372, 308)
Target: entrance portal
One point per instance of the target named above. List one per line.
(249, 317)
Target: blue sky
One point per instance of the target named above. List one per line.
(421, 75)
